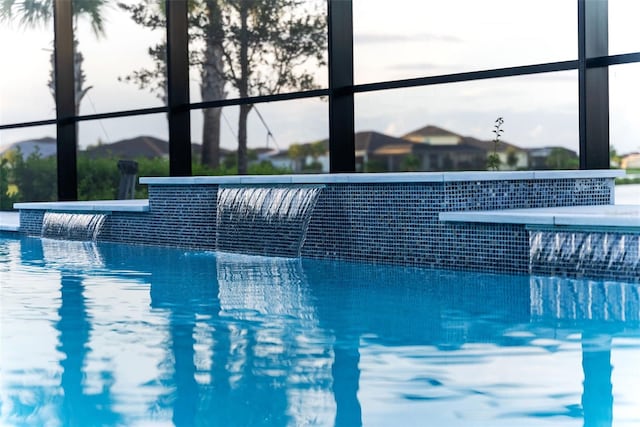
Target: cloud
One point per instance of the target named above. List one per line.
(374, 38)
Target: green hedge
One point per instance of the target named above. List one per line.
(98, 179)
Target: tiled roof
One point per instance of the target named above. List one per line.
(431, 130)
(141, 146)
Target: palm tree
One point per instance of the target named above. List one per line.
(34, 13)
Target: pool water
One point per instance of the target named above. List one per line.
(106, 335)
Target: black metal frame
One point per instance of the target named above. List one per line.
(67, 134)
(342, 154)
(178, 88)
(593, 84)
(592, 65)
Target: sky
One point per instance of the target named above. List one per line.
(392, 40)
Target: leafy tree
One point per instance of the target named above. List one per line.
(411, 163)
(317, 149)
(614, 158)
(297, 153)
(34, 13)
(7, 198)
(35, 177)
(375, 166)
(259, 47)
(512, 157)
(266, 42)
(560, 158)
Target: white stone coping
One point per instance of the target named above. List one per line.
(402, 177)
(596, 216)
(136, 205)
(10, 221)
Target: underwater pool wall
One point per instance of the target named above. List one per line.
(377, 218)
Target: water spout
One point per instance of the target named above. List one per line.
(72, 226)
(264, 220)
(585, 253)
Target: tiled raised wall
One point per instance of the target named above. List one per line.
(31, 222)
(179, 216)
(366, 219)
(398, 223)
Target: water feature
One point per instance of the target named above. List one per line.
(264, 220)
(72, 226)
(563, 251)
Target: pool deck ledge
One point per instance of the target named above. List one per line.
(10, 221)
(615, 216)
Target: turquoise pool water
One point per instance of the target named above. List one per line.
(106, 335)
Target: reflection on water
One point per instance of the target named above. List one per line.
(121, 335)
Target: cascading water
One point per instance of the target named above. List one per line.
(72, 226)
(584, 253)
(264, 220)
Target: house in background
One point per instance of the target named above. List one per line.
(553, 158)
(441, 149)
(430, 148)
(377, 152)
(141, 146)
(459, 157)
(630, 161)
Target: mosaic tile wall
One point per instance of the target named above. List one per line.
(31, 222)
(384, 223)
(606, 255)
(179, 216)
(398, 223)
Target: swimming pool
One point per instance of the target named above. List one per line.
(106, 334)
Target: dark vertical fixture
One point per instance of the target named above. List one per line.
(593, 82)
(66, 131)
(342, 152)
(178, 88)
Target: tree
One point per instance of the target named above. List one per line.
(259, 47)
(35, 177)
(614, 158)
(512, 157)
(34, 13)
(411, 163)
(561, 158)
(6, 196)
(317, 149)
(205, 53)
(298, 153)
(266, 44)
(212, 82)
